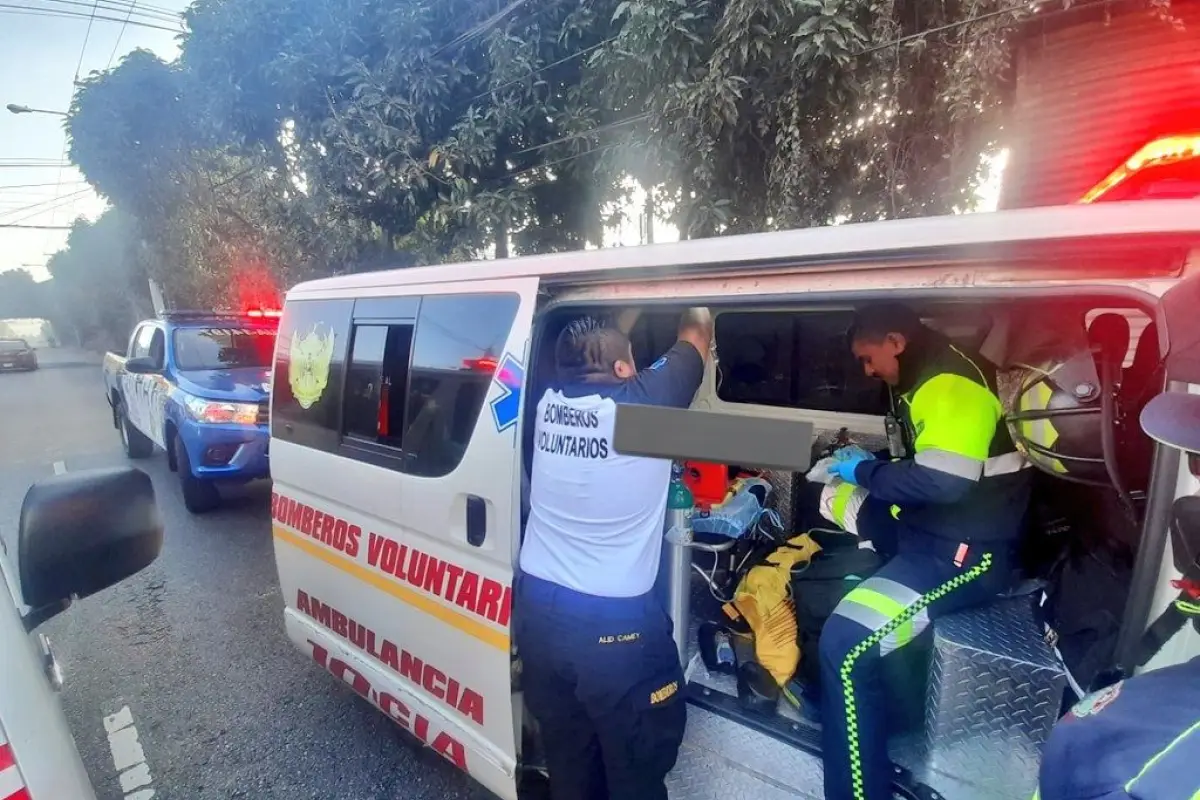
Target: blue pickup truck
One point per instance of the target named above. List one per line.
(196, 384)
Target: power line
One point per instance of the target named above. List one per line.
(83, 50)
(1030, 7)
(50, 165)
(551, 65)
(481, 28)
(8, 8)
(117, 6)
(571, 137)
(49, 202)
(37, 227)
(545, 164)
(120, 34)
(6, 186)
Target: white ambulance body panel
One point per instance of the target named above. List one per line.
(356, 535)
(403, 607)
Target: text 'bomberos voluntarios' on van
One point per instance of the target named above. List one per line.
(482, 596)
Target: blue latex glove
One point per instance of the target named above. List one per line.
(847, 460)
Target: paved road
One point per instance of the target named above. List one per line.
(223, 705)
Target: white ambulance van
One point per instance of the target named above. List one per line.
(401, 426)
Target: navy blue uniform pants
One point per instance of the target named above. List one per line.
(602, 678)
(879, 616)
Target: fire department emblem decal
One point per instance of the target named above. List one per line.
(308, 371)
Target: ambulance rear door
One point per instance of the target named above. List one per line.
(395, 422)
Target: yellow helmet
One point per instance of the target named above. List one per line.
(1055, 417)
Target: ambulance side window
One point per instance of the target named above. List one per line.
(793, 359)
(459, 343)
(377, 385)
(376, 391)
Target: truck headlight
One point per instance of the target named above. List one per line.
(215, 412)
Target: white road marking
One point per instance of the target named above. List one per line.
(128, 756)
(60, 467)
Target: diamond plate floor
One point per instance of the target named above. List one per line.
(722, 759)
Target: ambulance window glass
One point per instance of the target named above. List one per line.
(377, 383)
(792, 359)
(459, 343)
(364, 378)
(306, 396)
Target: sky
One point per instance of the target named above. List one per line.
(38, 59)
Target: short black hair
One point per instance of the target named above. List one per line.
(587, 346)
(874, 322)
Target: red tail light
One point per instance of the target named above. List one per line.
(1161, 152)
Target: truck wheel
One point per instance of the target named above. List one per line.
(199, 495)
(136, 445)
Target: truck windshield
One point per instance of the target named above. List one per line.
(12, 345)
(223, 348)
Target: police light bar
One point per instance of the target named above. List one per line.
(260, 313)
(1161, 152)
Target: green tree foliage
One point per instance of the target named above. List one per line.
(306, 137)
(759, 114)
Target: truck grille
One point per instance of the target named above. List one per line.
(264, 413)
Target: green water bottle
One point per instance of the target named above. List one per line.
(675, 568)
(680, 506)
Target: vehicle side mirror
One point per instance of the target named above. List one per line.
(142, 365)
(1173, 419)
(82, 532)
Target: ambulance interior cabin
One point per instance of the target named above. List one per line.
(977, 693)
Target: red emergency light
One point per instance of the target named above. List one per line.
(1165, 151)
(263, 313)
(485, 364)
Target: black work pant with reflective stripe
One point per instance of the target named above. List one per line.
(876, 618)
(602, 678)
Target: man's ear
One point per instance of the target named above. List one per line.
(624, 369)
(897, 341)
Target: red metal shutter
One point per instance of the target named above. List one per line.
(1090, 91)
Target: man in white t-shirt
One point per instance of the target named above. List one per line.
(600, 670)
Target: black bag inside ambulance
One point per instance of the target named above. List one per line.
(819, 587)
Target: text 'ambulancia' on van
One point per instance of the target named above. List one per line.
(401, 426)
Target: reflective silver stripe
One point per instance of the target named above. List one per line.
(873, 619)
(892, 641)
(866, 616)
(890, 588)
(951, 463)
(1005, 464)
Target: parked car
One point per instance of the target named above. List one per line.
(17, 354)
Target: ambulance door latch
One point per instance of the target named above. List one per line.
(476, 520)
